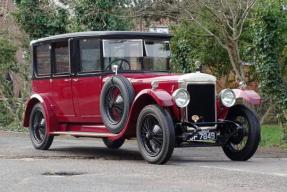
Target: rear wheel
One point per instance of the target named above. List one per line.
(155, 134)
(242, 145)
(38, 129)
(113, 144)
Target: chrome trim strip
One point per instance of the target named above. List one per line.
(94, 126)
(200, 82)
(202, 128)
(84, 134)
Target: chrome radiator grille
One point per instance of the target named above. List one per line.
(202, 102)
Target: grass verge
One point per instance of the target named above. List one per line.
(15, 127)
(271, 136)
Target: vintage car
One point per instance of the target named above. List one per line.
(118, 86)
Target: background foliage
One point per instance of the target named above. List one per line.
(99, 15)
(39, 19)
(11, 107)
(270, 30)
(189, 45)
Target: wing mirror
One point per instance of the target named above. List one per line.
(115, 69)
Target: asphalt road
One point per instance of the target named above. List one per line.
(86, 165)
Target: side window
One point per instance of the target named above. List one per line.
(61, 56)
(43, 60)
(90, 55)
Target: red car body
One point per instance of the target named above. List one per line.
(71, 102)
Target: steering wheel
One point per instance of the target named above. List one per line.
(122, 61)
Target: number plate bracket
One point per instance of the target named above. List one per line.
(204, 135)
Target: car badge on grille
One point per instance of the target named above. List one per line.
(195, 118)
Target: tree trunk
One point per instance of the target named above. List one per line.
(267, 112)
(233, 53)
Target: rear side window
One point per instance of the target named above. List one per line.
(43, 60)
(90, 55)
(61, 56)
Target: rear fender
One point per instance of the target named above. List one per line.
(33, 100)
(248, 96)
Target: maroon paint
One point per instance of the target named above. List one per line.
(73, 103)
(86, 91)
(248, 95)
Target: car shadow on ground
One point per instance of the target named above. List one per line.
(98, 153)
(104, 153)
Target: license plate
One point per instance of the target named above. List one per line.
(204, 135)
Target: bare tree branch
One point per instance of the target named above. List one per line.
(209, 32)
(244, 17)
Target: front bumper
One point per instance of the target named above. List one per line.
(224, 129)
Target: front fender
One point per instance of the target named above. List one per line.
(144, 98)
(249, 96)
(161, 97)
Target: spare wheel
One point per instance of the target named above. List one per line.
(115, 102)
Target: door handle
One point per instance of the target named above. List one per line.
(67, 80)
(76, 80)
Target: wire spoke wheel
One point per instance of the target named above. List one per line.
(116, 99)
(114, 105)
(39, 126)
(243, 144)
(239, 140)
(38, 129)
(155, 134)
(151, 134)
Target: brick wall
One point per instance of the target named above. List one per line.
(8, 26)
(10, 30)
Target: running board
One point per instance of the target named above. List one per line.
(84, 134)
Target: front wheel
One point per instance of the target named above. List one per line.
(155, 134)
(243, 144)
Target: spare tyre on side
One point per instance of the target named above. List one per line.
(116, 98)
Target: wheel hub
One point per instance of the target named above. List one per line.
(148, 135)
(152, 135)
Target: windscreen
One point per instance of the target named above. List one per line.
(123, 48)
(157, 55)
(136, 54)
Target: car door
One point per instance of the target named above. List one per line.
(62, 82)
(87, 82)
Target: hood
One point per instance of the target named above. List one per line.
(151, 78)
(196, 77)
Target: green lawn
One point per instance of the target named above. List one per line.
(271, 136)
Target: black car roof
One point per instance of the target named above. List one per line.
(104, 34)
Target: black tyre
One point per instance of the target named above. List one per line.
(155, 134)
(113, 144)
(38, 129)
(244, 143)
(116, 98)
